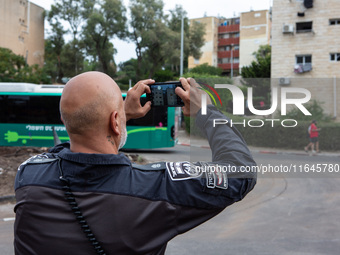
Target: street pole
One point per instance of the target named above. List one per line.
(182, 46)
(232, 68)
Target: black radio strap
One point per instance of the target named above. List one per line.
(69, 196)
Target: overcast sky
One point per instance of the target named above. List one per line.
(194, 8)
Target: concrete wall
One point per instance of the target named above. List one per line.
(209, 48)
(22, 29)
(326, 91)
(323, 40)
(320, 43)
(255, 31)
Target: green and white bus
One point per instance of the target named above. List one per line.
(30, 112)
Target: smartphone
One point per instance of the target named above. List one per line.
(163, 94)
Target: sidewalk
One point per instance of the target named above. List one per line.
(185, 139)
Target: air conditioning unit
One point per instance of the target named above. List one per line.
(288, 29)
(284, 81)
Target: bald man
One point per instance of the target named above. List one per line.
(83, 197)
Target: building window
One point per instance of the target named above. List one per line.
(236, 47)
(223, 60)
(223, 36)
(236, 60)
(303, 59)
(333, 22)
(304, 27)
(236, 35)
(223, 48)
(303, 63)
(335, 57)
(196, 61)
(257, 15)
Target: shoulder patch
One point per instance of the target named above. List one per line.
(41, 160)
(216, 178)
(37, 159)
(182, 170)
(150, 167)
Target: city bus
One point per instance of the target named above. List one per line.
(29, 116)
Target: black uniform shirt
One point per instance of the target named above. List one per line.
(131, 209)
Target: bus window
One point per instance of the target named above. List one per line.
(29, 109)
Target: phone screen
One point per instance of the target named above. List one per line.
(163, 94)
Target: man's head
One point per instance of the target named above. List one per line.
(92, 110)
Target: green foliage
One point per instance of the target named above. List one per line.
(163, 75)
(13, 68)
(291, 138)
(102, 24)
(72, 12)
(72, 62)
(314, 107)
(193, 39)
(158, 37)
(94, 23)
(127, 71)
(258, 73)
(278, 136)
(261, 67)
(53, 48)
(206, 69)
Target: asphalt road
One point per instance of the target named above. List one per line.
(295, 214)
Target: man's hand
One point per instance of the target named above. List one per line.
(133, 108)
(191, 96)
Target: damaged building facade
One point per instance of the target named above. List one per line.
(306, 49)
(22, 29)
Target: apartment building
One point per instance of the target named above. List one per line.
(229, 45)
(255, 31)
(209, 49)
(22, 29)
(231, 42)
(306, 49)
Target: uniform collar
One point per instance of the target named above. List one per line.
(94, 159)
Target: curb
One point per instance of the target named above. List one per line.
(197, 146)
(8, 198)
(268, 152)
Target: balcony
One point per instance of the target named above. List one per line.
(229, 29)
(228, 66)
(228, 41)
(227, 54)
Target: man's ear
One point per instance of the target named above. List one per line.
(114, 123)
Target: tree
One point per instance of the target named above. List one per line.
(71, 60)
(258, 73)
(158, 36)
(206, 69)
(261, 67)
(53, 49)
(103, 23)
(146, 18)
(71, 11)
(193, 38)
(127, 71)
(13, 68)
(159, 42)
